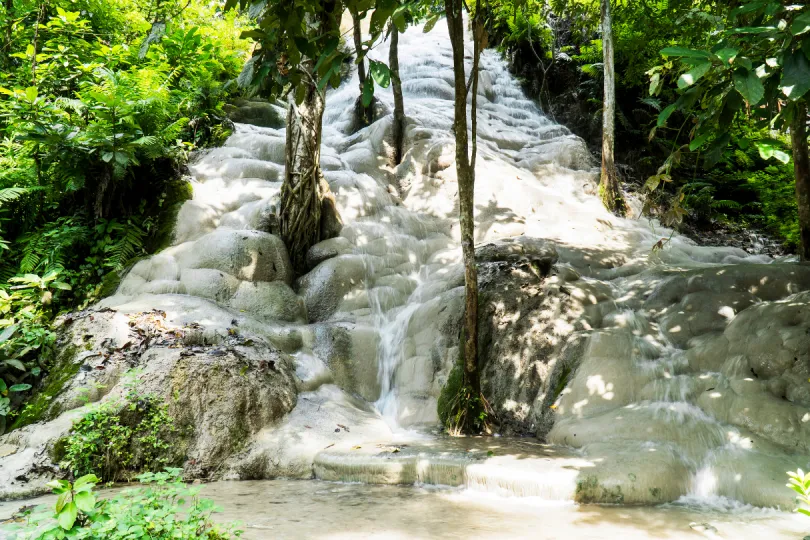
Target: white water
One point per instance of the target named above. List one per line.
(643, 388)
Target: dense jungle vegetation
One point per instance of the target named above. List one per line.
(102, 103)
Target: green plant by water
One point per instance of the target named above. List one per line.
(165, 507)
(118, 438)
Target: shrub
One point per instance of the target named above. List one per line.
(116, 440)
(166, 508)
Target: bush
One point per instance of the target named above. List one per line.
(116, 440)
(165, 509)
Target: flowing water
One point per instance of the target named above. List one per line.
(329, 511)
(684, 387)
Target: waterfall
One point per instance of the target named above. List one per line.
(664, 396)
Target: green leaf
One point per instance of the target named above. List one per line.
(801, 24)
(690, 77)
(399, 22)
(67, 517)
(665, 114)
(748, 8)
(699, 141)
(768, 150)
(15, 363)
(431, 22)
(85, 501)
(755, 30)
(381, 73)
(682, 52)
(368, 91)
(7, 333)
(88, 480)
(795, 76)
(19, 388)
(727, 55)
(652, 182)
(62, 500)
(749, 86)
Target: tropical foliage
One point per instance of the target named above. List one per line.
(163, 508)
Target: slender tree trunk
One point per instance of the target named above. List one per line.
(365, 112)
(609, 184)
(466, 188)
(306, 200)
(801, 169)
(9, 5)
(399, 104)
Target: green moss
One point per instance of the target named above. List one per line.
(449, 393)
(591, 491)
(63, 370)
(177, 192)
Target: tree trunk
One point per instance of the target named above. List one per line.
(801, 169)
(466, 186)
(365, 112)
(609, 184)
(399, 105)
(9, 5)
(306, 200)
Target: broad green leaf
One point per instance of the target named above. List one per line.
(62, 500)
(665, 114)
(682, 52)
(795, 76)
(67, 517)
(655, 83)
(748, 8)
(699, 141)
(768, 150)
(19, 388)
(727, 55)
(5, 334)
(690, 77)
(381, 73)
(431, 22)
(400, 24)
(749, 86)
(88, 480)
(801, 24)
(755, 30)
(652, 182)
(368, 91)
(85, 501)
(15, 363)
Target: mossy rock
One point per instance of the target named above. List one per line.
(591, 491)
(449, 392)
(64, 368)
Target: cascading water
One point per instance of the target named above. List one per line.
(665, 400)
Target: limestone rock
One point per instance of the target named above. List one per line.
(247, 255)
(219, 394)
(325, 287)
(272, 301)
(326, 250)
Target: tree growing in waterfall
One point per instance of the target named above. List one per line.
(396, 16)
(298, 56)
(469, 408)
(609, 188)
(364, 108)
(758, 67)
